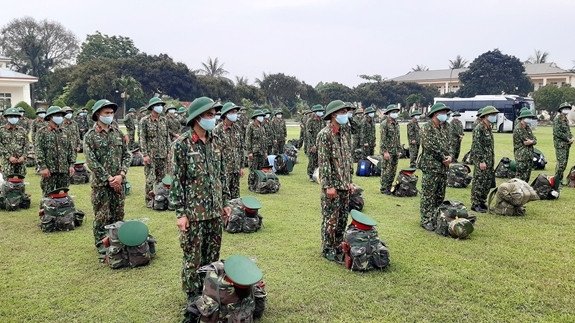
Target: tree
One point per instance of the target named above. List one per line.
(251, 93)
(282, 89)
(259, 81)
(217, 88)
(540, 57)
(128, 87)
(414, 99)
(214, 69)
(104, 46)
(549, 97)
(458, 62)
(334, 91)
(241, 81)
(36, 48)
(375, 77)
(29, 112)
(494, 73)
(420, 68)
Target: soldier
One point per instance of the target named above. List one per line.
(243, 121)
(413, 133)
(367, 133)
(107, 156)
(562, 140)
(13, 144)
(131, 126)
(313, 126)
(455, 135)
(38, 122)
(434, 163)
(335, 172)
(218, 118)
(482, 156)
(255, 146)
(230, 142)
(389, 148)
(182, 118)
(523, 142)
(173, 122)
(70, 127)
(200, 193)
(2, 119)
(355, 120)
(82, 121)
(306, 114)
(55, 155)
(24, 121)
(269, 130)
(477, 120)
(279, 133)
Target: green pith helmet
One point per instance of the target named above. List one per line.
(460, 228)
(479, 112)
(102, 104)
(436, 108)
(167, 180)
(229, 106)
(565, 105)
(12, 112)
(278, 111)
(317, 108)
(391, 107)
(52, 111)
(131, 110)
(488, 110)
(133, 233)
(362, 218)
(351, 106)
(201, 105)
(526, 114)
(257, 113)
(21, 109)
(40, 110)
(415, 113)
(358, 111)
(155, 101)
(182, 110)
(142, 109)
(171, 107)
(251, 203)
(79, 162)
(334, 106)
(266, 111)
(369, 110)
(16, 176)
(67, 109)
(242, 271)
(456, 114)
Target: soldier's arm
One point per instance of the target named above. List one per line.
(249, 146)
(177, 189)
(323, 157)
(476, 145)
(224, 180)
(383, 140)
(518, 138)
(126, 157)
(433, 147)
(558, 130)
(143, 142)
(39, 150)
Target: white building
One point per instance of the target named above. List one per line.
(14, 86)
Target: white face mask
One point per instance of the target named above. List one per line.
(68, 116)
(371, 114)
(172, 111)
(218, 117)
(260, 118)
(267, 116)
(394, 115)
(349, 114)
(279, 116)
(158, 109)
(319, 113)
(566, 111)
(417, 117)
(41, 115)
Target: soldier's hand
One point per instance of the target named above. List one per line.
(570, 141)
(275, 141)
(312, 149)
(413, 142)
(331, 192)
(386, 156)
(20, 160)
(482, 166)
(13, 160)
(227, 211)
(183, 224)
(71, 171)
(78, 149)
(251, 156)
(447, 161)
(366, 145)
(351, 188)
(242, 173)
(45, 173)
(147, 160)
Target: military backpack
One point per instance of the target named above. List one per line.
(571, 177)
(356, 201)
(544, 185)
(241, 220)
(453, 220)
(283, 165)
(406, 184)
(511, 197)
(291, 152)
(376, 165)
(13, 195)
(404, 152)
(131, 247)
(81, 176)
(503, 169)
(58, 212)
(137, 159)
(363, 250)
(539, 160)
(364, 168)
(458, 176)
(266, 182)
(161, 198)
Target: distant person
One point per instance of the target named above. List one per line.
(13, 144)
(562, 140)
(389, 148)
(312, 128)
(367, 133)
(413, 137)
(523, 142)
(456, 136)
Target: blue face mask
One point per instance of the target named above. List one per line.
(267, 116)
(279, 116)
(342, 118)
(41, 115)
(58, 120)
(232, 117)
(319, 113)
(566, 111)
(83, 114)
(68, 116)
(394, 115)
(417, 117)
(218, 117)
(106, 120)
(492, 119)
(159, 109)
(371, 114)
(260, 119)
(442, 117)
(13, 120)
(207, 124)
(172, 111)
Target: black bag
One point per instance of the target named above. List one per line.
(503, 169)
(539, 160)
(356, 201)
(544, 188)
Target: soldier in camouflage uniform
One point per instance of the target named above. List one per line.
(335, 172)
(478, 119)
(483, 158)
(230, 142)
(55, 155)
(243, 121)
(38, 122)
(434, 164)
(413, 133)
(389, 148)
(562, 140)
(269, 129)
(71, 129)
(523, 142)
(24, 121)
(279, 133)
(306, 114)
(173, 122)
(455, 135)
(313, 126)
(13, 144)
(255, 146)
(2, 119)
(107, 156)
(131, 126)
(82, 121)
(367, 133)
(154, 145)
(199, 192)
(355, 120)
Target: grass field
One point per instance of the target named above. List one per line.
(511, 269)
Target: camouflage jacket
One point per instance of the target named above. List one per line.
(255, 135)
(106, 154)
(25, 123)
(354, 125)
(231, 144)
(522, 152)
(561, 132)
(154, 137)
(312, 128)
(455, 129)
(244, 121)
(36, 125)
(174, 126)
(71, 129)
(334, 160)
(13, 143)
(269, 131)
(280, 130)
(129, 121)
(54, 150)
(82, 122)
(413, 132)
(367, 132)
(435, 145)
(199, 189)
(482, 149)
(389, 137)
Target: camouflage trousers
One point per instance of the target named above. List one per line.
(233, 180)
(132, 137)
(432, 195)
(255, 164)
(312, 163)
(201, 246)
(413, 154)
(523, 170)
(562, 156)
(278, 148)
(388, 170)
(367, 151)
(9, 168)
(455, 149)
(56, 180)
(481, 184)
(334, 220)
(108, 206)
(154, 173)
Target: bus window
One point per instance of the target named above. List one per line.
(508, 112)
(463, 106)
(481, 104)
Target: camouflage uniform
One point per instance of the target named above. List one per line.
(130, 127)
(199, 192)
(389, 142)
(155, 143)
(312, 128)
(279, 135)
(335, 171)
(354, 129)
(54, 152)
(302, 129)
(243, 121)
(255, 145)
(455, 134)
(36, 125)
(71, 129)
(435, 148)
(231, 144)
(482, 151)
(82, 125)
(269, 138)
(106, 155)
(13, 143)
(561, 136)
(413, 134)
(367, 136)
(523, 153)
(174, 125)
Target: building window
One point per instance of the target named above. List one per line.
(540, 85)
(554, 83)
(562, 83)
(5, 100)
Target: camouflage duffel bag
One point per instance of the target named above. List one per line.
(58, 213)
(571, 177)
(131, 246)
(544, 185)
(356, 201)
(242, 221)
(453, 220)
(510, 198)
(283, 164)
(406, 183)
(31, 159)
(503, 169)
(458, 176)
(364, 250)
(266, 182)
(80, 177)
(13, 195)
(291, 152)
(161, 199)
(137, 159)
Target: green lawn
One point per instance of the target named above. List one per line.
(510, 270)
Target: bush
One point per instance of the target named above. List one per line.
(29, 112)
(286, 113)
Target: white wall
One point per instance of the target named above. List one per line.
(19, 93)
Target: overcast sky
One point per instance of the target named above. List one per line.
(320, 40)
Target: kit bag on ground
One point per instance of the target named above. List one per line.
(453, 220)
(363, 250)
(295, 142)
(511, 197)
(544, 185)
(137, 158)
(266, 181)
(290, 150)
(376, 165)
(503, 169)
(81, 175)
(404, 152)
(406, 183)
(243, 219)
(283, 165)
(315, 176)
(31, 156)
(458, 176)
(467, 158)
(571, 177)
(539, 160)
(161, 197)
(13, 195)
(129, 244)
(364, 168)
(58, 213)
(356, 201)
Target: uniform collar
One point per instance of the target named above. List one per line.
(195, 138)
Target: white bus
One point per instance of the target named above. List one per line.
(508, 105)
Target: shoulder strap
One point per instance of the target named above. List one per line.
(490, 199)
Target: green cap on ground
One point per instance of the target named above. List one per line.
(334, 106)
(479, 112)
(362, 218)
(526, 114)
(488, 110)
(369, 110)
(52, 111)
(317, 108)
(229, 106)
(102, 104)
(456, 114)
(60, 190)
(257, 113)
(201, 105)
(132, 110)
(460, 228)
(40, 110)
(79, 162)
(167, 180)
(437, 107)
(251, 203)
(133, 233)
(155, 101)
(182, 110)
(415, 113)
(18, 176)
(565, 105)
(67, 109)
(12, 112)
(242, 271)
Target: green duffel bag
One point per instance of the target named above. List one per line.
(129, 244)
(267, 182)
(453, 220)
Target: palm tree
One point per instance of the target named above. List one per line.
(458, 62)
(127, 85)
(420, 68)
(540, 57)
(213, 68)
(241, 80)
(260, 81)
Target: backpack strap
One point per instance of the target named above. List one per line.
(490, 199)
